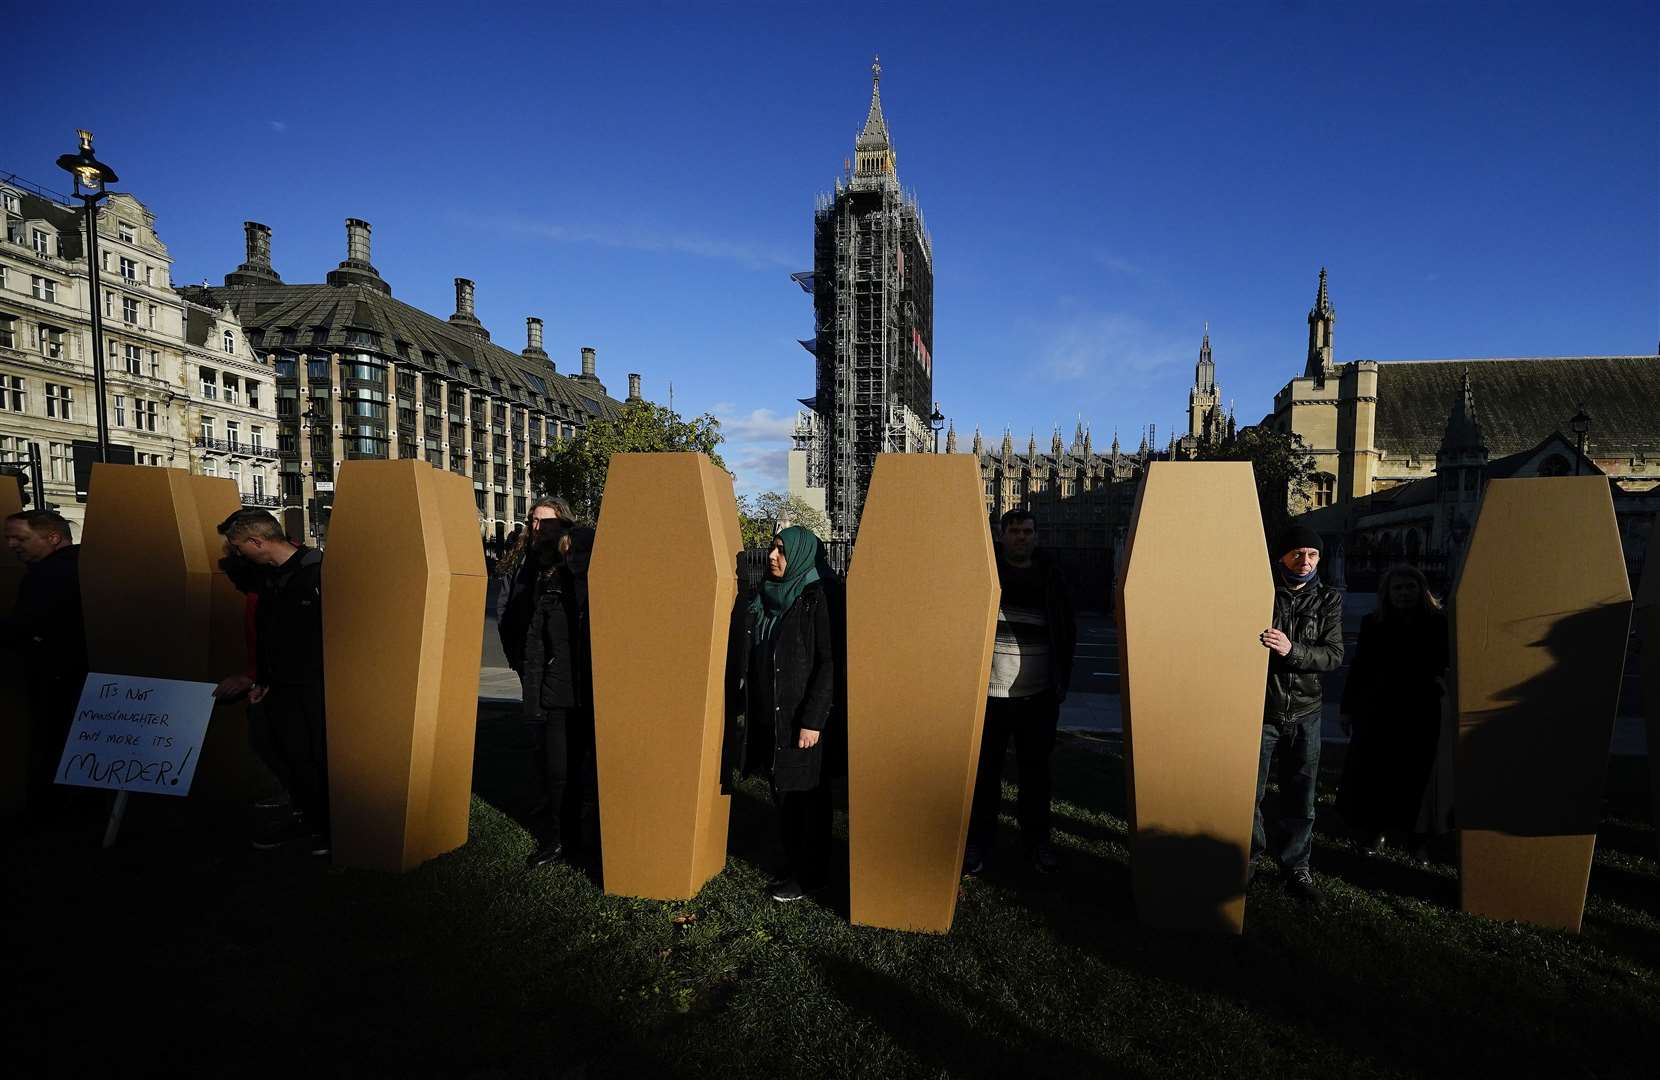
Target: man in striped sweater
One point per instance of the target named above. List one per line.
(1031, 667)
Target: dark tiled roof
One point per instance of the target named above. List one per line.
(1520, 402)
(342, 312)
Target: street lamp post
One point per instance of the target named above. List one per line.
(1581, 424)
(937, 422)
(91, 178)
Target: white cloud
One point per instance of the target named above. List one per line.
(761, 425)
(652, 240)
(278, 126)
(759, 469)
(1118, 264)
(1111, 346)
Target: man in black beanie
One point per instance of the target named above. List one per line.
(1305, 640)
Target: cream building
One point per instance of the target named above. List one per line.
(151, 366)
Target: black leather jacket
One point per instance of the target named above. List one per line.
(1312, 617)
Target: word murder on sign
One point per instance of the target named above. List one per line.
(136, 734)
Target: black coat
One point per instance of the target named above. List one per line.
(1059, 619)
(1394, 699)
(549, 646)
(44, 627)
(1312, 617)
(799, 691)
(288, 623)
(513, 599)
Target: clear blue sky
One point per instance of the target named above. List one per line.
(1099, 179)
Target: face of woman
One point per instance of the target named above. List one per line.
(776, 563)
(1403, 594)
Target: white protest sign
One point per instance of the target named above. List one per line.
(136, 734)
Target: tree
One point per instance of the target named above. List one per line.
(575, 468)
(1284, 471)
(770, 511)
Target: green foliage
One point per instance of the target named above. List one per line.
(761, 517)
(575, 468)
(1284, 471)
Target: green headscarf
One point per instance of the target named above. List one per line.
(773, 598)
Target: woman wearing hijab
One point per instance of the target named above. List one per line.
(1392, 709)
(788, 686)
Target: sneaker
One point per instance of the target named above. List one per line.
(281, 835)
(974, 860)
(1044, 858)
(787, 891)
(545, 854)
(1301, 885)
(318, 844)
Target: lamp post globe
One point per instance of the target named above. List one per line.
(1581, 426)
(937, 423)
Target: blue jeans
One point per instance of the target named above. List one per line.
(1299, 768)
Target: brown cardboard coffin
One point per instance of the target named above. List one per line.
(403, 613)
(662, 584)
(1541, 613)
(146, 582)
(921, 620)
(1648, 663)
(228, 770)
(14, 694)
(1196, 593)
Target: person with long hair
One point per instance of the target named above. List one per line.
(788, 671)
(1392, 710)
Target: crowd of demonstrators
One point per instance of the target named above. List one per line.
(782, 672)
(1031, 669)
(542, 617)
(286, 686)
(1392, 712)
(1305, 641)
(44, 627)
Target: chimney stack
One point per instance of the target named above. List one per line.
(256, 264)
(464, 316)
(588, 362)
(357, 241)
(356, 269)
(634, 386)
(533, 350)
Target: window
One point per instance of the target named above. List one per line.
(232, 385)
(14, 394)
(133, 357)
(45, 289)
(106, 261)
(129, 310)
(42, 241)
(207, 428)
(4, 283)
(229, 341)
(13, 203)
(155, 364)
(60, 402)
(253, 393)
(318, 369)
(109, 304)
(8, 331)
(63, 466)
(129, 269)
(120, 410)
(259, 483)
(210, 384)
(233, 431)
(256, 437)
(51, 342)
(233, 470)
(210, 468)
(144, 415)
(126, 232)
(150, 275)
(1325, 489)
(152, 316)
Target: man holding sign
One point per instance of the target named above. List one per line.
(288, 648)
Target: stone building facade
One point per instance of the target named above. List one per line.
(152, 391)
(363, 375)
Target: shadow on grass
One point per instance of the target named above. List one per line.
(995, 1042)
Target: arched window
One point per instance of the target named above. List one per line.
(1325, 489)
(230, 342)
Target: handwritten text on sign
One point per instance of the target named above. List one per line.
(137, 734)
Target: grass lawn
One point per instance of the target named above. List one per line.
(183, 951)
